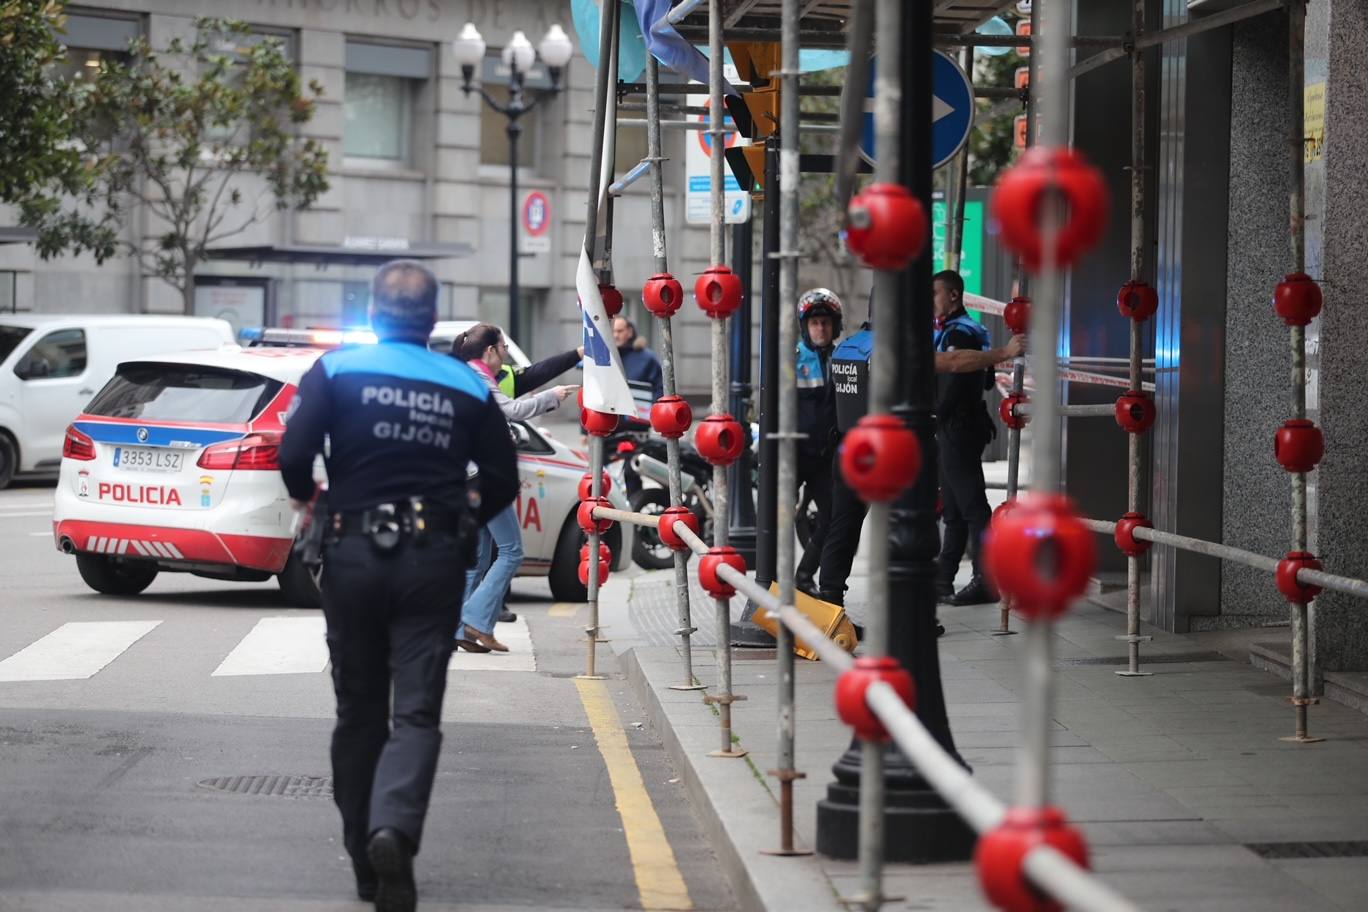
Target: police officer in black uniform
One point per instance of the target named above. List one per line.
(848, 401)
(819, 319)
(401, 424)
(963, 429)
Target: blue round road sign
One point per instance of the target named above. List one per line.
(952, 110)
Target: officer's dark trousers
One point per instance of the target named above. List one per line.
(814, 476)
(842, 533)
(964, 501)
(391, 625)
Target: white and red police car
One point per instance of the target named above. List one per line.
(173, 467)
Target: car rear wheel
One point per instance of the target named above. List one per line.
(300, 584)
(114, 575)
(564, 574)
(649, 552)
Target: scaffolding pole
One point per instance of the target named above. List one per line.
(717, 250)
(1137, 267)
(1296, 151)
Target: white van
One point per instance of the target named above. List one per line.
(51, 365)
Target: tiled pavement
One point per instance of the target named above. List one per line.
(1172, 776)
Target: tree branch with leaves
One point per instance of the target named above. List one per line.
(200, 142)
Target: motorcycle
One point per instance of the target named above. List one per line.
(638, 456)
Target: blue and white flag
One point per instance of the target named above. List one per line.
(605, 382)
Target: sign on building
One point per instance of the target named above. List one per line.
(536, 223)
(698, 172)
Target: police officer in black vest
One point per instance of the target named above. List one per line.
(401, 423)
(963, 429)
(848, 401)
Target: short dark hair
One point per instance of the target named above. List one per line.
(472, 343)
(952, 280)
(404, 299)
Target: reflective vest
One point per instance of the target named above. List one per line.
(507, 382)
(965, 324)
(850, 377)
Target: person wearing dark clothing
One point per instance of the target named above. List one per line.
(963, 429)
(402, 424)
(847, 401)
(819, 318)
(639, 363)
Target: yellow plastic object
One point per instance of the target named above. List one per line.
(831, 618)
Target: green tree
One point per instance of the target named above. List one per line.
(199, 143)
(35, 109)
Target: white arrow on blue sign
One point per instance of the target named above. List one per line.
(952, 110)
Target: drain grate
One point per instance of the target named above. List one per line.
(1308, 849)
(272, 786)
(1152, 658)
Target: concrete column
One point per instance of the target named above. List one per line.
(1341, 501)
(1257, 492)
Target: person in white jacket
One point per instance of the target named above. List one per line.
(483, 347)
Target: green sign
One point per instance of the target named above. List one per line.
(971, 255)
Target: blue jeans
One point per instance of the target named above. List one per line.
(485, 596)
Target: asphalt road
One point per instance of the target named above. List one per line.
(123, 770)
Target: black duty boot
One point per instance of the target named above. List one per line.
(506, 616)
(834, 596)
(392, 855)
(805, 584)
(978, 592)
(366, 881)
(945, 589)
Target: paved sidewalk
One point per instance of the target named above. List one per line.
(1188, 798)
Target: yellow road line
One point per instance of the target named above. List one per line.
(563, 609)
(658, 879)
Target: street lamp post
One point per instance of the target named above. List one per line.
(518, 55)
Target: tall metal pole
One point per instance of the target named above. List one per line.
(787, 397)
(1296, 151)
(954, 209)
(717, 244)
(603, 85)
(1137, 270)
(920, 826)
(1052, 92)
(654, 151)
(742, 515)
(747, 632)
(766, 542)
(514, 129)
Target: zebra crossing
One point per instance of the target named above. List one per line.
(80, 650)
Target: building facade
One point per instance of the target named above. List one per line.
(415, 164)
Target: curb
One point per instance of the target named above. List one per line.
(734, 829)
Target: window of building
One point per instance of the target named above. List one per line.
(494, 126)
(382, 84)
(58, 354)
(9, 292)
(631, 149)
(94, 40)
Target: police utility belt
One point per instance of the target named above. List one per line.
(388, 525)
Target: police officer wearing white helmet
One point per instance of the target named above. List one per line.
(820, 318)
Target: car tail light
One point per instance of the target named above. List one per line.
(626, 446)
(77, 445)
(253, 452)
